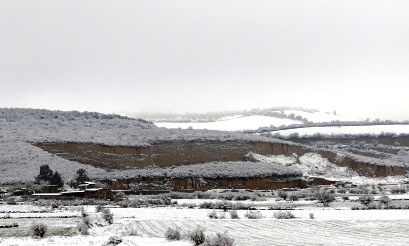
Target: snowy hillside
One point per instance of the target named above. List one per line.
(19, 128)
(234, 123)
(251, 120)
(318, 116)
(342, 130)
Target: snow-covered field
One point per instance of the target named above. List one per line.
(338, 130)
(232, 123)
(329, 227)
(253, 122)
(318, 116)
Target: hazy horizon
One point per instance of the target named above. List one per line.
(131, 57)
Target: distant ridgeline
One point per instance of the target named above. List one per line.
(277, 112)
(265, 131)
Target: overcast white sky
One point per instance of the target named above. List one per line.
(198, 56)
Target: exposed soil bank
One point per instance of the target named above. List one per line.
(203, 184)
(385, 140)
(187, 153)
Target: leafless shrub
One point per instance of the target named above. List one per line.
(107, 215)
(112, 241)
(234, 215)
(282, 194)
(253, 215)
(173, 234)
(39, 229)
(325, 197)
(399, 190)
(11, 201)
(83, 228)
(281, 206)
(83, 212)
(197, 236)
(130, 231)
(365, 200)
(213, 215)
(385, 200)
(357, 191)
(99, 208)
(220, 239)
(283, 215)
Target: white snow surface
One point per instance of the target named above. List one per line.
(339, 130)
(330, 227)
(318, 116)
(233, 123)
(310, 164)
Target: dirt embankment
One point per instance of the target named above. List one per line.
(385, 140)
(203, 184)
(187, 153)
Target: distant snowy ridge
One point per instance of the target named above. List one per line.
(250, 121)
(277, 112)
(232, 124)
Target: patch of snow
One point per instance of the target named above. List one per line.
(310, 164)
(340, 130)
(232, 124)
(317, 117)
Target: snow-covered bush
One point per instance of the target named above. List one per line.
(173, 234)
(365, 200)
(357, 191)
(197, 236)
(83, 212)
(39, 229)
(282, 194)
(341, 190)
(220, 239)
(213, 215)
(234, 214)
(83, 227)
(253, 215)
(99, 208)
(384, 200)
(107, 215)
(11, 201)
(225, 205)
(130, 231)
(283, 215)
(293, 196)
(399, 190)
(114, 240)
(281, 206)
(325, 197)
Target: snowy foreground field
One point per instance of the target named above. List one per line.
(334, 225)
